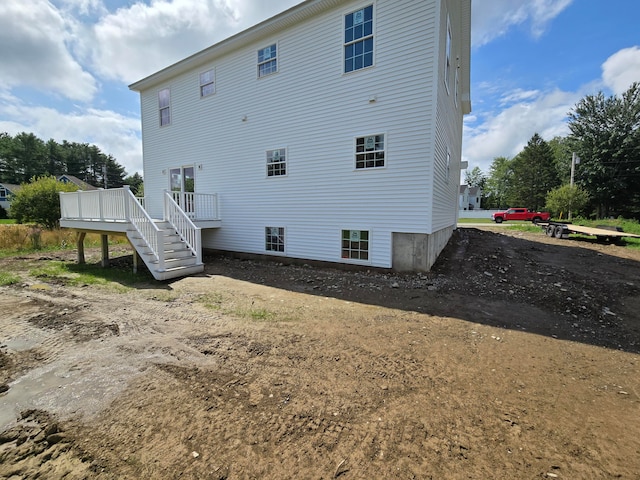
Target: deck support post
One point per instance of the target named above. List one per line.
(80, 244)
(105, 250)
(136, 260)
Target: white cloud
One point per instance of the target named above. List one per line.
(112, 132)
(506, 133)
(621, 69)
(134, 42)
(34, 53)
(493, 18)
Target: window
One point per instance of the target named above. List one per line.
(267, 61)
(358, 39)
(457, 87)
(355, 244)
(274, 239)
(276, 162)
(447, 64)
(207, 83)
(448, 165)
(370, 151)
(3, 193)
(164, 104)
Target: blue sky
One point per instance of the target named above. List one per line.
(66, 64)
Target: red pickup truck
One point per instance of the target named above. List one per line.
(520, 214)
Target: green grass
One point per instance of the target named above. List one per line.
(475, 220)
(8, 278)
(80, 275)
(7, 221)
(227, 306)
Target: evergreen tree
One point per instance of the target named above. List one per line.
(534, 174)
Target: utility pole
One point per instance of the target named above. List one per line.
(574, 160)
(104, 175)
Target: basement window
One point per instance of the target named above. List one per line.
(355, 244)
(274, 239)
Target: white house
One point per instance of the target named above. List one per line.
(330, 132)
(464, 197)
(7, 191)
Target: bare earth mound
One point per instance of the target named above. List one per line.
(516, 357)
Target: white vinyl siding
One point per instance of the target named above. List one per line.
(317, 112)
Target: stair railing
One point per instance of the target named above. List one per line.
(184, 227)
(145, 226)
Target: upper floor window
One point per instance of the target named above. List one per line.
(457, 87)
(276, 162)
(267, 61)
(207, 83)
(370, 151)
(447, 64)
(358, 39)
(164, 104)
(3, 193)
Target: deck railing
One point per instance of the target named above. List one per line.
(114, 205)
(188, 232)
(198, 206)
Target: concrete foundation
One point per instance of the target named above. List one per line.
(417, 252)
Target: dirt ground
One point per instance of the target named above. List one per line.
(517, 357)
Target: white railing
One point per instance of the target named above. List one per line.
(114, 205)
(96, 205)
(146, 227)
(198, 206)
(188, 232)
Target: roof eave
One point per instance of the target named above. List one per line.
(272, 25)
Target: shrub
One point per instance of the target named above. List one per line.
(39, 202)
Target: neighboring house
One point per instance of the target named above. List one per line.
(82, 185)
(7, 191)
(463, 202)
(330, 132)
(475, 196)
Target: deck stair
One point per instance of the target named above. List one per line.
(179, 260)
(170, 248)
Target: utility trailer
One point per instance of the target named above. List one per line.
(603, 234)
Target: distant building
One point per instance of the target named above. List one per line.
(82, 185)
(7, 191)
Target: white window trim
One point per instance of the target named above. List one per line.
(386, 151)
(200, 84)
(457, 88)
(160, 109)
(277, 59)
(356, 260)
(448, 49)
(284, 239)
(373, 34)
(286, 162)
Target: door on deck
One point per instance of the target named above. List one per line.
(182, 188)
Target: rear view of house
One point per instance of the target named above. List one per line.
(330, 132)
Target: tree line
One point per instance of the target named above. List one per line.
(24, 157)
(604, 136)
